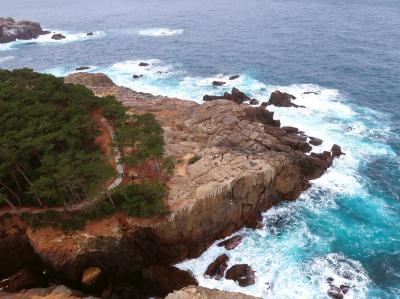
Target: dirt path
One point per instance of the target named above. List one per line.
(75, 207)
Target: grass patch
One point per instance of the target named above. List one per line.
(194, 159)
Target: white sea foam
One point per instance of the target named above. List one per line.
(157, 32)
(46, 39)
(6, 58)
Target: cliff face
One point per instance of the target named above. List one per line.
(10, 30)
(247, 163)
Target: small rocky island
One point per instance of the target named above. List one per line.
(11, 30)
(232, 162)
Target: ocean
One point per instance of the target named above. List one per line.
(347, 52)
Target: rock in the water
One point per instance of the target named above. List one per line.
(253, 102)
(335, 292)
(10, 30)
(137, 76)
(89, 34)
(143, 64)
(234, 77)
(217, 268)
(315, 141)
(235, 96)
(310, 92)
(58, 36)
(336, 150)
(344, 288)
(93, 280)
(231, 243)
(282, 99)
(218, 83)
(264, 104)
(82, 68)
(242, 274)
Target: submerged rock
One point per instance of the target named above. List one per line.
(231, 243)
(137, 76)
(10, 30)
(234, 77)
(218, 83)
(243, 274)
(144, 64)
(217, 268)
(58, 36)
(89, 34)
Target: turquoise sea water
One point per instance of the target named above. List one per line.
(347, 225)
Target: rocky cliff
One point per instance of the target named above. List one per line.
(245, 163)
(10, 30)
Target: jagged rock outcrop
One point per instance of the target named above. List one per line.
(10, 30)
(217, 268)
(192, 292)
(282, 99)
(236, 95)
(248, 164)
(231, 243)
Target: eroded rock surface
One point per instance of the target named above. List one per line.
(248, 164)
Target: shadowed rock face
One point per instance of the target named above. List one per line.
(248, 164)
(10, 30)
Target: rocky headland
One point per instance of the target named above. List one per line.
(11, 30)
(245, 163)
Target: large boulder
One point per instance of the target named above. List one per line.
(336, 151)
(10, 30)
(93, 280)
(217, 268)
(243, 274)
(282, 99)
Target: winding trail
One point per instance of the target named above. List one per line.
(78, 206)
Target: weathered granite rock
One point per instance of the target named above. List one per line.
(217, 268)
(231, 243)
(248, 164)
(58, 36)
(243, 274)
(10, 30)
(193, 292)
